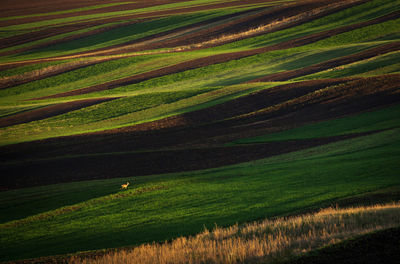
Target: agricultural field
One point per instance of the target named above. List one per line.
(234, 122)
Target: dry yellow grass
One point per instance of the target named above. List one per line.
(261, 241)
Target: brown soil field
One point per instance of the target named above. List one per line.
(196, 140)
(215, 59)
(49, 111)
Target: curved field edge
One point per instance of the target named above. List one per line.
(167, 206)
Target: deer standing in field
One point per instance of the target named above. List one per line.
(125, 186)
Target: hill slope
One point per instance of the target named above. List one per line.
(254, 108)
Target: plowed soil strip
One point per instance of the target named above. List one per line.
(287, 75)
(215, 59)
(61, 170)
(49, 111)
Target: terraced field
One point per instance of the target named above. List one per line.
(217, 112)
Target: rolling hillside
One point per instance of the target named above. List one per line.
(217, 112)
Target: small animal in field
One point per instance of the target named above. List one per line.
(125, 186)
